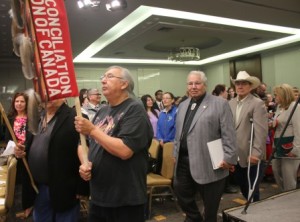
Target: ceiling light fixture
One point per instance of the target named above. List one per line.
(184, 54)
(87, 3)
(115, 5)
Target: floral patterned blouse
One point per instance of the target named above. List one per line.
(20, 129)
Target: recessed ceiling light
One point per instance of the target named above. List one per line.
(115, 5)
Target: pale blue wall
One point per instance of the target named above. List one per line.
(280, 66)
(217, 74)
(146, 79)
(11, 81)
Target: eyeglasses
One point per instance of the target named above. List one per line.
(96, 94)
(194, 83)
(167, 98)
(109, 76)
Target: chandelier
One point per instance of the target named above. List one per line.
(185, 54)
(87, 3)
(111, 5)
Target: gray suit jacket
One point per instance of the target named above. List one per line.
(252, 108)
(212, 120)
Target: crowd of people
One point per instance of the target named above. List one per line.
(244, 117)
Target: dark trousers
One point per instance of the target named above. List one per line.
(186, 188)
(43, 211)
(116, 214)
(241, 178)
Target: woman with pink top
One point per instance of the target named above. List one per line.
(19, 121)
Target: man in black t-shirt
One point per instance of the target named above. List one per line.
(120, 136)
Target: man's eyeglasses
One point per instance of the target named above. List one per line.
(194, 83)
(96, 94)
(109, 76)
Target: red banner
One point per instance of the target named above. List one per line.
(52, 38)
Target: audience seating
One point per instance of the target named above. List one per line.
(154, 148)
(6, 202)
(156, 182)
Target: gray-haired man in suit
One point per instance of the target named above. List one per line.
(202, 118)
(246, 109)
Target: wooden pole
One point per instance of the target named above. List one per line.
(82, 137)
(13, 136)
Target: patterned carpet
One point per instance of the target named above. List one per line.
(165, 209)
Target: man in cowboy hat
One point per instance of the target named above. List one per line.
(248, 110)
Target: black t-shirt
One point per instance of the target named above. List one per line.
(38, 158)
(116, 182)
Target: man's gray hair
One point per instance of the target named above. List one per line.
(127, 77)
(199, 73)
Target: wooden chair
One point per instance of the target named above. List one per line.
(7, 202)
(164, 180)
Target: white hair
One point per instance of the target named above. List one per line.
(198, 73)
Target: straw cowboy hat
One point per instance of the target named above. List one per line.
(244, 76)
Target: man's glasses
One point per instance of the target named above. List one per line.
(194, 83)
(109, 76)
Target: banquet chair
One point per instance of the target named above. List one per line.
(7, 202)
(153, 156)
(163, 180)
(3, 168)
(154, 148)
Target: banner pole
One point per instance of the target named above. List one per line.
(84, 154)
(8, 125)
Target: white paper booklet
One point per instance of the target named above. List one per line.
(216, 152)
(9, 148)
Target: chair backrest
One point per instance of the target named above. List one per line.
(10, 183)
(9, 158)
(153, 149)
(167, 169)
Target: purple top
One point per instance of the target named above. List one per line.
(153, 120)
